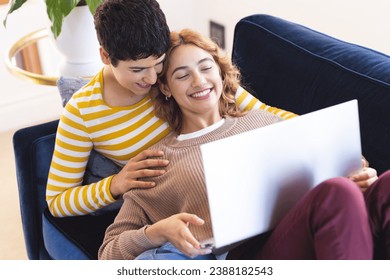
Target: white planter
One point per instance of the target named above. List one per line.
(78, 44)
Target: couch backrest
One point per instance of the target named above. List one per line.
(295, 68)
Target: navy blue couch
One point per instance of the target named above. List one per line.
(47, 237)
(284, 64)
(301, 70)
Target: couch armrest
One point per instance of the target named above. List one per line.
(33, 149)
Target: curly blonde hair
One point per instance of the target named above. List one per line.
(168, 109)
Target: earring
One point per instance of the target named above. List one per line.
(166, 98)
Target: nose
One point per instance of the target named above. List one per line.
(151, 76)
(198, 80)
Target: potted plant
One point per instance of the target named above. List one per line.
(71, 24)
(57, 10)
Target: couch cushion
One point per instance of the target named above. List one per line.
(289, 66)
(75, 238)
(67, 86)
(79, 238)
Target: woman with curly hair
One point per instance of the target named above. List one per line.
(170, 221)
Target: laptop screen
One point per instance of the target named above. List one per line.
(267, 170)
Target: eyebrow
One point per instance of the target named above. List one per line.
(185, 67)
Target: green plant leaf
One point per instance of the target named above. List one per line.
(13, 6)
(93, 4)
(57, 10)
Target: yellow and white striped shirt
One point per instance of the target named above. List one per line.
(119, 133)
(248, 102)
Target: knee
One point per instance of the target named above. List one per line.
(340, 191)
(384, 181)
(380, 189)
(340, 187)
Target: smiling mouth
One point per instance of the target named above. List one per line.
(201, 94)
(144, 85)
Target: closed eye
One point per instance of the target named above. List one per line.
(207, 68)
(136, 70)
(181, 77)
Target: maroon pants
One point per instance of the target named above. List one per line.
(332, 221)
(377, 199)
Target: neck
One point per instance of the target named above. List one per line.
(196, 123)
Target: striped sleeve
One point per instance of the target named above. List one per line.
(247, 102)
(65, 194)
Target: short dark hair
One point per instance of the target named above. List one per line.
(131, 29)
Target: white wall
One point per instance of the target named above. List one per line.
(364, 22)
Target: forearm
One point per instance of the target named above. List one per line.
(126, 245)
(125, 238)
(76, 200)
(65, 193)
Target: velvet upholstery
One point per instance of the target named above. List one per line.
(47, 237)
(284, 64)
(290, 66)
(33, 148)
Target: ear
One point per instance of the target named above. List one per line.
(104, 56)
(165, 90)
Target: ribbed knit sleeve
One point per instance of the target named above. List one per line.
(125, 238)
(64, 194)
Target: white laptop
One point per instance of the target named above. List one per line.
(253, 179)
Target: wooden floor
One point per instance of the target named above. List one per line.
(11, 235)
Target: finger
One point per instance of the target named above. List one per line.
(191, 219)
(192, 251)
(145, 164)
(363, 174)
(147, 154)
(146, 173)
(204, 251)
(190, 239)
(364, 162)
(142, 184)
(372, 172)
(364, 184)
(153, 163)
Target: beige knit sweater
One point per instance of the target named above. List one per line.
(180, 189)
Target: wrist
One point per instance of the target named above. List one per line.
(154, 234)
(114, 189)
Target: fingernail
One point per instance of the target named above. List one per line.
(208, 251)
